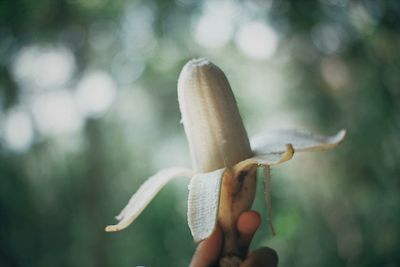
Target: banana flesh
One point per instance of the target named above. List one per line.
(213, 126)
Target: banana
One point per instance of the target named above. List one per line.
(224, 161)
(217, 139)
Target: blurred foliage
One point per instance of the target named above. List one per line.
(89, 110)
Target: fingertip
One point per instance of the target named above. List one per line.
(249, 222)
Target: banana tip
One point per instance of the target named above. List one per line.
(199, 62)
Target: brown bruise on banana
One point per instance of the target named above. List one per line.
(237, 195)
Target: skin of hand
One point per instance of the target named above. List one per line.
(207, 252)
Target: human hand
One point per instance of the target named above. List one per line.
(208, 251)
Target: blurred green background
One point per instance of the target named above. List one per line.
(89, 111)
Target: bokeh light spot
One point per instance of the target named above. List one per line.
(125, 69)
(214, 29)
(95, 93)
(327, 38)
(257, 40)
(56, 113)
(44, 67)
(18, 131)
